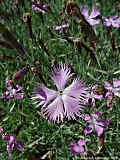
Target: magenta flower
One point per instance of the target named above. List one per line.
(12, 140)
(78, 147)
(12, 92)
(112, 21)
(65, 102)
(112, 90)
(90, 18)
(60, 28)
(94, 96)
(39, 6)
(94, 123)
(115, 89)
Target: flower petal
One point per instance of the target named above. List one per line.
(75, 148)
(107, 85)
(61, 27)
(116, 82)
(60, 76)
(10, 144)
(82, 142)
(86, 117)
(93, 22)
(77, 89)
(85, 11)
(107, 24)
(99, 130)
(7, 81)
(95, 115)
(20, 145)
(103, 122)
(5, 137)
(54, 111)
(88, 129)
(98, 97)
(94, 13)
(72, 107)
(19, 96)
(43, 95)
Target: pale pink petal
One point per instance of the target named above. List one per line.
(107, 85)
(75, 148)
(77, 89)
(98, 97)
(71, 106)
(54, 111)
(115, 24)
(117, 93)
(60, 76)
(85, 11)
(82, 142)
(116, 82)
(99, 130)
(107, 24)
(46, 93)
(93, 22)
(94, 13)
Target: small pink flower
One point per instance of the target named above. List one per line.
(115, 89)
(112, 21)
(12, 92)
(90, 18)
(94, 123)
(12, 140)
(60, 28)
(78, 147)
(93, 96)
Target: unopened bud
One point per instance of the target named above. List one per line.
(18, 75)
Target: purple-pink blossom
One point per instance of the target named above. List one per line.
(78, 147)
(60, 28)
(94, 123)
(112, 21)
(92, 96)
(39, 6)
(65, 102)
(113, 90)
(13, 92)
(90, 18)
(12, 140)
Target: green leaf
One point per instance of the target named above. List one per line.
(8, 36)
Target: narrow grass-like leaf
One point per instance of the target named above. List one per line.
(8, 36)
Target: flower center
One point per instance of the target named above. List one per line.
(60, 92)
